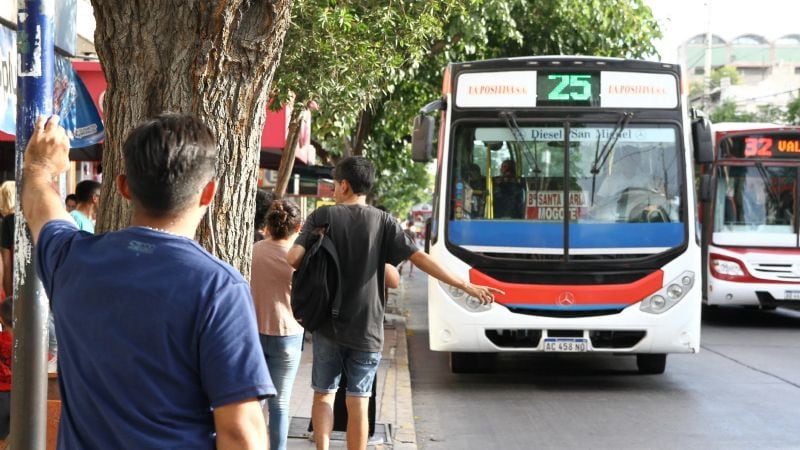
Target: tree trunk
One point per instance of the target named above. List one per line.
(213, 59)
(287, 156)
(363, 128)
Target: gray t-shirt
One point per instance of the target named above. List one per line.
(365, 238)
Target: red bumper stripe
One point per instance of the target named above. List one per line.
(548, 294)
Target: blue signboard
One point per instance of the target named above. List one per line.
(72, 102)
(8, 80)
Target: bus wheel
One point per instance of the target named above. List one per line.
(651, 363)
(471, 362)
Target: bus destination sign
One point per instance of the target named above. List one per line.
(530, 89)
(762, 146)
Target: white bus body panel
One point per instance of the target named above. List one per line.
(454, 329)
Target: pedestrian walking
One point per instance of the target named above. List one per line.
(8, 206)
(263, 202)
(412, 235)
(281, 336)
(70, 202)
(87, 194)
(366, 239)
(158, 345)
(6, 353)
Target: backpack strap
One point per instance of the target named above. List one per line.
(328, 243)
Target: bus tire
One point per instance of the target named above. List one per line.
(651, 363)
(461, 362)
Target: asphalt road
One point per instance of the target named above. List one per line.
(742, 391)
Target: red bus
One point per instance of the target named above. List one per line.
(750, 238)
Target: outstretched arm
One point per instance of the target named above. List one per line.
(484, 294)
(46, 157)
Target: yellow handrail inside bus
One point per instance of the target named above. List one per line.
(489, 196)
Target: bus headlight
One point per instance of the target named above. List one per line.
(674, 291)
(463, 300)
(455, 293)
(726, 267)
(669, 295)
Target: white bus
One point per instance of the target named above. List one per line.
(567, 183)
(751, 243)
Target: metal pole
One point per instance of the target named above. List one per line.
(35, 43)
(707, 65)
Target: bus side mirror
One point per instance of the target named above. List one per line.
(422, 139)
(702, 141)
(705, 187)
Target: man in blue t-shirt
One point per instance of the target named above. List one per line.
(158, 340)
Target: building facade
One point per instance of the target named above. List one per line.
(769, 70)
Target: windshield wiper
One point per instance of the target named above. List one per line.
(511, 124)
(601, 156)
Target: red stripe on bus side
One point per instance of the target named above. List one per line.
(548, 294)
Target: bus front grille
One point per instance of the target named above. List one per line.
(566, 312)
(530, 338)
(776, 271)
(615, 338)
(515, 338)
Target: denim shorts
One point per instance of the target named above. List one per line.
(330, 359)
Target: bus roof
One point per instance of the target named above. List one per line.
(565, 61)
(735, 127)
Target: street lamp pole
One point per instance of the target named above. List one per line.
(707, 66)
(35, 44)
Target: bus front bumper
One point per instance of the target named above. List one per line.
(454, 329)
(723, 293)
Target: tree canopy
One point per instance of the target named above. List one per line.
(482, 29)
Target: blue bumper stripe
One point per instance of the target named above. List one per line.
(502, 233)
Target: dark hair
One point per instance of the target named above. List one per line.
(85, 190)
(72, 197)
(7, 311)
(358, 171)
(168, 160)
(263, 201)
(282, 219)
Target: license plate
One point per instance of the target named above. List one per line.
(792, 295)
(566, 345)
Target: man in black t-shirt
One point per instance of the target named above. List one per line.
(366, 238)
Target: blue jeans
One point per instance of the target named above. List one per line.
(330, 359)
(283, 358)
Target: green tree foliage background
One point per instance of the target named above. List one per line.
(371, 109)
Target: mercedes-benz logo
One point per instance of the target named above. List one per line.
(565, 298)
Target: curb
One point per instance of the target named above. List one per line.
(396, 405)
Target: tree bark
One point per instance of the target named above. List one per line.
(363, 128)
(213, 59)
(287, 156)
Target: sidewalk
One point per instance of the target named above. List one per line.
(394, 425)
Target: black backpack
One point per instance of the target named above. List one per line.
(316, 296)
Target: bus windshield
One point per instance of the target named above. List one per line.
(755, 205)
(512, 197)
